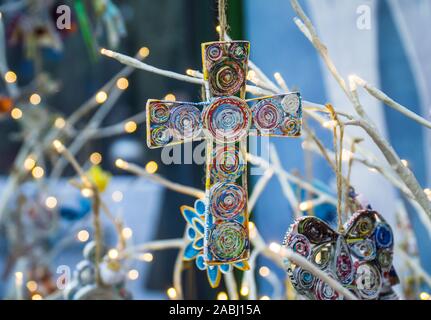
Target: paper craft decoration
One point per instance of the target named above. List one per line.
(83, 285)
(225, 121)
(360, 258)
(194, 250)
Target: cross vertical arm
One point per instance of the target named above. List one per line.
(226, 121)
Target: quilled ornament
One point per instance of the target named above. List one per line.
(99, 177)
(225, 67)
(83, 284)
(195, 218)
(76, 209)
(224, 120)
(360, 258)
(228, 163)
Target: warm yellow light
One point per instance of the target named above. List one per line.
(264, 298)
(405, 163)
(117, 196)
(35, 99)
(37, 172)
(170, 97)
(32, 285)
(274, 247)
(222, 296)
(60, 123)
(144, 52)
(252, 228)
(251, 75)
(51, 202)
(36, 296)
(113, 254)
(83, 235)
(306, 205)
(130, 126)
(122, 83)
(18, 277)
(151, 167)
(189, 72)
(120, 163)
(218, 29)
(428, 193)
(87, 192)
(106, 52)
(147, 257)
(101, 97)
(95, 158)
(329, 124)
(264, 271)
(10, 77)
(172, 293)
(58, 145)
(16, 113)
(244, 290)
(425, 296)
(346, 155)
(251, 225)
(127, 233)
(133, 274)
(29, 163)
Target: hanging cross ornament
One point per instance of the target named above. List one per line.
(225, 121)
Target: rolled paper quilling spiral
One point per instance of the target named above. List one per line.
(225, 67)
(360, 258)
(267, 115)
(172, 122)
(226, 122)
(279, 115)
(228, 163)
(185, 121)
(226, 234)
(228, 200)
(229, 241)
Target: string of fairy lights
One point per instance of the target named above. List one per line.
(37, 171)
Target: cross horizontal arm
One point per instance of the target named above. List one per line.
(276, 116)
(170, 123)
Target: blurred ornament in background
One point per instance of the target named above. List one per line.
(34, 27)
(84, 286)
(34, 213)
(112, 272)
(110, 16)
(76, 208)
(99, 177)
(108, 21)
